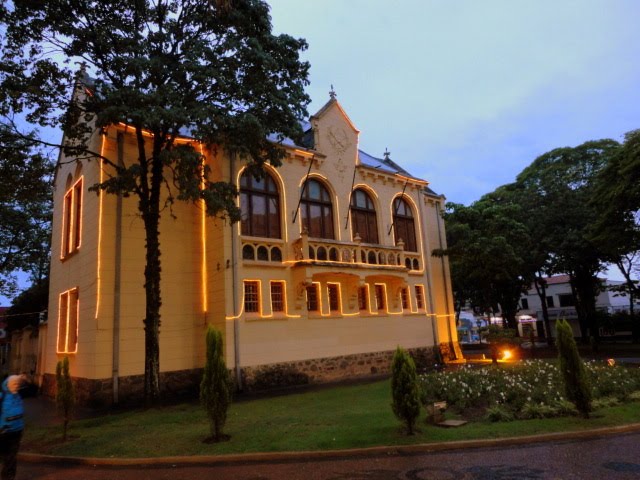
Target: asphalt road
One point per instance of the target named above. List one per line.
(612, 457)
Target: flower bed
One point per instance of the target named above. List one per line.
(530, 389)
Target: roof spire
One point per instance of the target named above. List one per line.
(332, 93)
(387, 154)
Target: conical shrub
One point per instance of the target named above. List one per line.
(404, 389)
(576, 383)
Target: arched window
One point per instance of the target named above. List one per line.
(363, 217)
(403, 225)
(317, 210)
(260, 205)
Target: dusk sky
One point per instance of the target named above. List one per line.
(465, 94)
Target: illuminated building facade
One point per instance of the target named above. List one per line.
(328, 271)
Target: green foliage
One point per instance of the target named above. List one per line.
(212, 70)
(405, 390)
(65, 396)
(498, 413)
(25, 208)
(534, 383)
(320, 419)
(559, 186)
(27, 305)
(215, 388)
(486, 255)
(576, 383)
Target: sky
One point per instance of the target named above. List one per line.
(466, 94)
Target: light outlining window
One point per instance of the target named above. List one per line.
(363, 217)
(260, 206)
(316, 210)
(72, 219)
(68, 314)
(404, 224)
(252, 296)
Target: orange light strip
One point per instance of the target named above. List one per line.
(203, 239)
(99, 260)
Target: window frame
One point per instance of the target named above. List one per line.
(247, 194)
(367, 215)
(307, 203)
(315, 298)
(420, 300)
(404, 225)
(275, 301)
(363, 298)
(335, 302)
(69, 308)
(381, 297)
(72, 208)
(247, 300)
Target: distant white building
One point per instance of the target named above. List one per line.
(561, 303)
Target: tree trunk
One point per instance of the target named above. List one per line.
(150, 208)
(541, 290)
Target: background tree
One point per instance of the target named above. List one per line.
(562, 182)
(404, 389)
(25, 209)
(27, 306)
(215, 388)
(617, 227)
(485, 253)
(576, 383)
(65, 397)
(165, 67)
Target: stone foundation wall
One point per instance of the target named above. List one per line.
(185, 384)
(325, 370)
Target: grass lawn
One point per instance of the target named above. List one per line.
(334, 418)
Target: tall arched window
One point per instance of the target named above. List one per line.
(260, 205)
(403, 225)
(363, 217)
(317, 210)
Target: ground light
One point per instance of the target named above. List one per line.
(507, 354)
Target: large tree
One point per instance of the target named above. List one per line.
(25, 208)
(561, 183)
(486, 256)
(163, 67)
(617, 227)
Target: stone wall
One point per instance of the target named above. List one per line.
(185, 384)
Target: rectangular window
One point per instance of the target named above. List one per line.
(72, 219)
(277, 296)
(566, 300)
(334, 297)
(251, 297)
(68, 322)
(404, 295)
(525, 304)
(550, 303)
(363, 303)
(380, 297)
(420, 297)
(312, 298)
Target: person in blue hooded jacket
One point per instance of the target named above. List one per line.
(11, 425)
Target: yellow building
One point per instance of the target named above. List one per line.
(329, 270)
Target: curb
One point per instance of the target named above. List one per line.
(245, 458)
